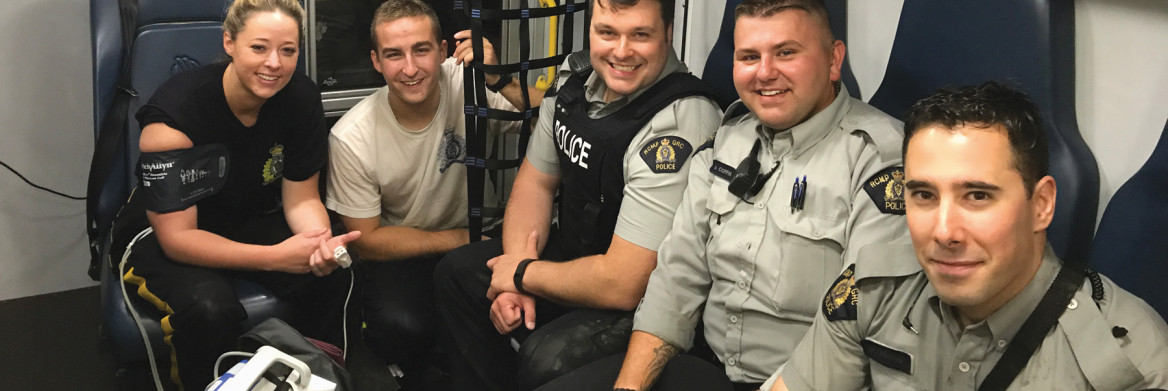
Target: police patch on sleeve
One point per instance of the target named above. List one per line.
(666, 154)
(886, 189)
(840, 301)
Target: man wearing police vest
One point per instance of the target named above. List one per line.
(612, 141)
(776, 206)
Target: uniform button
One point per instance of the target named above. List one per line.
(1074, 304)
(731, 361)
(733, 319)
(815, 234)
(742, 284)
(1001, 344)
(760, 205)
(963, 366)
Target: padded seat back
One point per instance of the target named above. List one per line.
(171, 36)
(1026, 42)
(1130, 245)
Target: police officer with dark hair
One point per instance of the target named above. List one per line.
(613, 140)
(944, 313)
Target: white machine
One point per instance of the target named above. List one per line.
(248, 374)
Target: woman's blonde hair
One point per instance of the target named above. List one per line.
(240, 10)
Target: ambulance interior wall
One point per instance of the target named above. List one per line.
(46, 115)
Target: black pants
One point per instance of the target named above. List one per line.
(682, 373)
(398, 311)
(565, 338)
(204, 317)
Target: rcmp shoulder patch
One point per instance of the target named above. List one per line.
(666, 154)
(886, 189)
(840, 301)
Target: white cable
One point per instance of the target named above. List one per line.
(215, 369)
(345, 317)
(133, 312)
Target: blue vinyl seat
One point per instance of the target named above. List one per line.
(171, 37)
(1130, 245)
(1029, 43)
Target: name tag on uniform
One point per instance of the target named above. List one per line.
(887, 356)
(722, 170)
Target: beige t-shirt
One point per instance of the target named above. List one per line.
(409, 178)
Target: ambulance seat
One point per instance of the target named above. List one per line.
(1129, 245)
(1028, 43)
(171, 37)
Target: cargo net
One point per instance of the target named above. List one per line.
(477, 110)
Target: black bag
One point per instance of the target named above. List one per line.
(275, 333)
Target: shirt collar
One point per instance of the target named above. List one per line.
(808, 133)
(1005, 322)
(594, 87)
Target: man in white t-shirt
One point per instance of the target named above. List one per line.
(396, 174)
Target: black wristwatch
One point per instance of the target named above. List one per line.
(504, 80)
(519, 271)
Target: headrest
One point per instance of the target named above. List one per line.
(164, 11)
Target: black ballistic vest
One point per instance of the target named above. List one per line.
(591, 156)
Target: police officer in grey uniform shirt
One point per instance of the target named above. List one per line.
(941, 317)
(749, 254)
(613, 140)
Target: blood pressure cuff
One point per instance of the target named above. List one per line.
(175, 180)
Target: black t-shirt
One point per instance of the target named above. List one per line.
(289, 140)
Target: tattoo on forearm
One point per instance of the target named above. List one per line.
(661, 356)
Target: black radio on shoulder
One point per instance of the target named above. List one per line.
(746, 181)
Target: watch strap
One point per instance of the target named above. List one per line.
(520, 270)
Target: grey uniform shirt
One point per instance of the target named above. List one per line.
(893, 295)
(650, 198)
(760, 267)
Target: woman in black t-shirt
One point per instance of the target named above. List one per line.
(267, 223)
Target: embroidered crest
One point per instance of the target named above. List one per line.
(840, 301)
(666, 154)
(274, 166)
(886, 189)
(451, 150)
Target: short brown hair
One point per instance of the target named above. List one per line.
(667, 7)
(766, 8)
(397, 9)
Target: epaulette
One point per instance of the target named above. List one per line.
(886, 132)
(734, 111)
(886, 260)
(708, 144)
